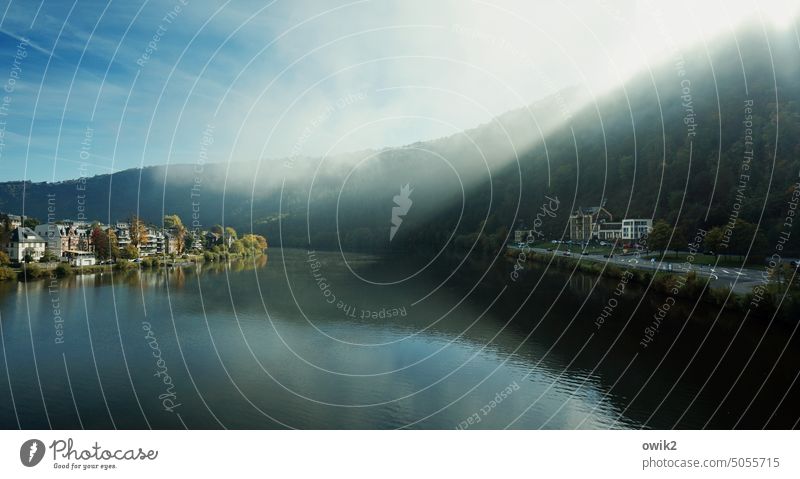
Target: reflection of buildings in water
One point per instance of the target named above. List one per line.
(581, 283)
(178, 277)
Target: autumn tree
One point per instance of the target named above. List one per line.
(102, 248)
(138, 233)
(175, 225)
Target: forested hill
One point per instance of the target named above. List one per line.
(704, 137)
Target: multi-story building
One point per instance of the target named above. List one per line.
(172, 243)
(62, 238)
(24, 242)
(609, 230)
(584, 222)
(123, 232)
(56, 237)
(197, 242)
(154, 244)
(636, 228)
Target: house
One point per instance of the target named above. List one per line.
(56, 237)
(609, 230)
(212, 239)
(636, 228)
(24, 242)
(80, 258)
(521, 236)
(61, 238)
(154, 244)
(12, 221)
(197, 242)
(123, 232)
(584, 222)
(172, 243)
(81, 239)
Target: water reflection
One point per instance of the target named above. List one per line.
(258, 344)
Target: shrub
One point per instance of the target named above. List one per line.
(63, 269)
(7, 274)
(123, 265)
(31, 271)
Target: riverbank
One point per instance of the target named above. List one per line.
(34, 271)
(762, 298)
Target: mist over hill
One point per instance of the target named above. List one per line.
(701, 138)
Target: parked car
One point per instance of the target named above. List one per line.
(567, 253)
(610, 255)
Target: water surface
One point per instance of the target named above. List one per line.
(307, 340)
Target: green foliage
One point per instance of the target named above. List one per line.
(658, 239)
(129, 252)
(32, 271)
(30, 223)
(124, 265)
(7, 274)
(63, 270)
(105, 246)
(48, 257)
(713, 239)
(4, 259)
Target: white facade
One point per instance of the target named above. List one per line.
(636, 228)
(24, 241)
(81, 259)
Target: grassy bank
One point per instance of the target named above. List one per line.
(775, 298)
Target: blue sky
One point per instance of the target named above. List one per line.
(284, 78)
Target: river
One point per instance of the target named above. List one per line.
(325, 340)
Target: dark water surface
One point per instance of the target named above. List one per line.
(309, 341)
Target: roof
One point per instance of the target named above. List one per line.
(25, 235)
